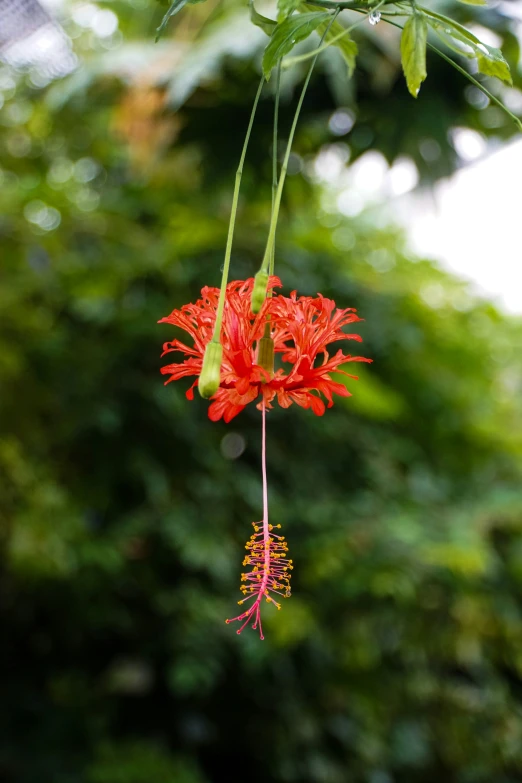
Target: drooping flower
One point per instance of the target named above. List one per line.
(302, 328)
(269, 574)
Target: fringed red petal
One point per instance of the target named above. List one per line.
(302, 328)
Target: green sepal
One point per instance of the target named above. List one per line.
(210, 376)
(259, 292)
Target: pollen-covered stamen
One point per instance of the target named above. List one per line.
(276, 568)
(270, 572)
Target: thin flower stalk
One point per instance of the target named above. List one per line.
(265, 268)
(270, 569)
(209, 375)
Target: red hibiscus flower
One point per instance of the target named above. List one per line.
(301, 328)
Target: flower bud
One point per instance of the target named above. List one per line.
(259, 292)
(210, 375)
(265, 354)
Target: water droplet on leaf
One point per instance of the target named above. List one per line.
(375, 17)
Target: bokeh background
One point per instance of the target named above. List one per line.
(124, 510)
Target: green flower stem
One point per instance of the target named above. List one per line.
(274, 152)
(265, 265)
(231, 225)
(266, 345)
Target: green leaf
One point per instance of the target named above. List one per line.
(497, 68)
(287, 34)
(474, 2)
(266, 24)
(175, 7)
(286, 8)
(345, 44)
(490, 60)
(413, 52)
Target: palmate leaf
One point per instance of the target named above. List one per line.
(287, 34)
(490, 60)
(413, 52)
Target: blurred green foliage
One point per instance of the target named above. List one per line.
(124, 511)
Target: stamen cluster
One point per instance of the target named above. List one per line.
(269, 573)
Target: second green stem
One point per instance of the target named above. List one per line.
(265, 265)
